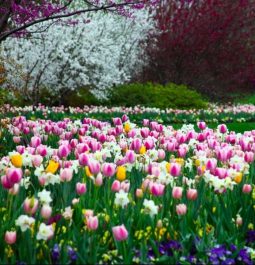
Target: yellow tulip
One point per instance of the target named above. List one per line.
(121, 173)
(16, 160)
(87, 171)
(142, 150)
(127, 127)
(238, 178)
(52, 167)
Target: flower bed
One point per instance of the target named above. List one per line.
(87, 191)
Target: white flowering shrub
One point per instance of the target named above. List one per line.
(103, 52)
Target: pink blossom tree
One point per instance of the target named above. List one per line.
(17, 16)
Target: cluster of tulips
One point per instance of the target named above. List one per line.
(87, 191)
(213, 114)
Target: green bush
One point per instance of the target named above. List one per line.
(79, 98)
(155, 95)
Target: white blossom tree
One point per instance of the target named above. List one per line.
(104, 52)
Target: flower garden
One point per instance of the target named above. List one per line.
(123, 186)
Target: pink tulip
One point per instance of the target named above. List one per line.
(120, 232)
(20, 149)
(249, 157)
(125, 185)
(99, 180)
(14, 190)
(130, 156)
(175, 169)
(136, 144)
(108, 169)
(37, 160)
(211, 164)
(145, 132)
(41, 150)
(201, 125)
(63, 151)
(177, 192)
(10, 237)
(117, 121)
(16, 139)
(14, 175)
(115, 186)
(30, 205)
(35, 141)
(222, 128)
(81, 188)
(94, 167)
(192, 194)
(46, 211)
(181, 209)
(6, 183)
(221, 172)
(161, 154)
(139, 193)
(92, 222)
(83, 159)
(157, 189)
(66, 174)
(247, 188)
(182, 151)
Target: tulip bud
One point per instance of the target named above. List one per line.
(181, 209)
(115, 186)
(192, 194)
(247, 188)
(92, 222)
(10, 237)
(46, 211)
(30, 205)
(139, 193)
(81, 188)
(177, 192)
(66, 174)
(120, 232)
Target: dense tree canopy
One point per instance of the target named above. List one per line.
(206, 44)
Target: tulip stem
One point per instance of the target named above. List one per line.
(10, 204)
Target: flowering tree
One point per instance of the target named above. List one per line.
(206, 44)
(18, 15)
(66, 57)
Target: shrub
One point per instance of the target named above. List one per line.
(79, 98)
(155, 95)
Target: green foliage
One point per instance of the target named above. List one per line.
(79, 98)
(9, 97)
(247, 99)
(155, 95)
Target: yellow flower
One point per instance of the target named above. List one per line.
(168, 165)
(52, 167)
(250, 226)
(197, 163)
(179, 161)
(238, 178)
(127, 127)
(121, 173)
(16, 160)
(142, 150)
(87, 171)
(214, 209)
(63, 229)
(200, 232)
(8, 251)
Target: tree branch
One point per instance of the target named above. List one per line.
(77, 12)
